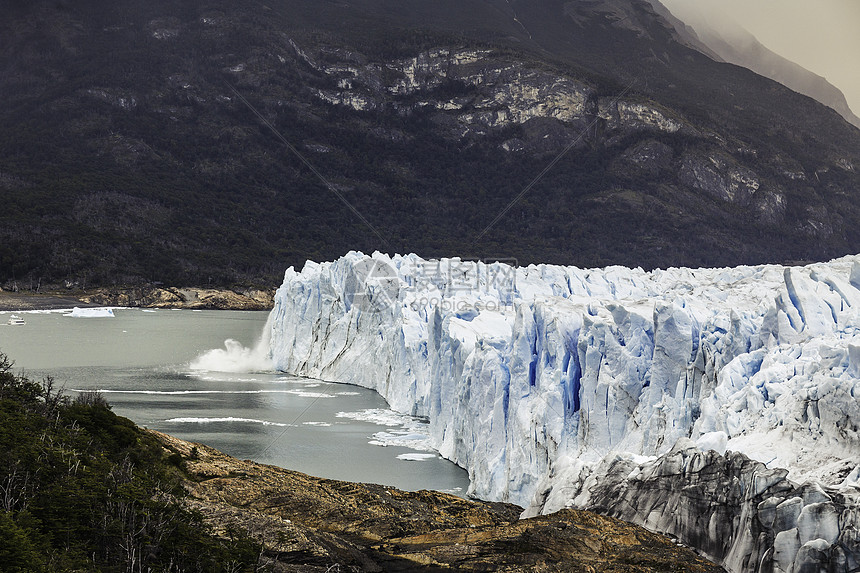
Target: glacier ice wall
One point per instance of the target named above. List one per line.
(557, 386)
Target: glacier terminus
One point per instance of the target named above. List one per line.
(719, 406)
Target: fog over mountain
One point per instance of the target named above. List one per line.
(716, 25)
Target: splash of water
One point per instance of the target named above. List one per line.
(237, 358)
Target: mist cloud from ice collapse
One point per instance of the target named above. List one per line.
(237, 358)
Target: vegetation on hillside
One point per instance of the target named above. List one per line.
(82, 489)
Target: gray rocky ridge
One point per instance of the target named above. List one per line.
(734, 510)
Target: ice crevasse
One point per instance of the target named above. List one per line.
(721, 406)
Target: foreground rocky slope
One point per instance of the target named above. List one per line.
(564, 387)
(312, 524)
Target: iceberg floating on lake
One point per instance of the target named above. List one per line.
(718, 405)
(416, 457)
(90, 313)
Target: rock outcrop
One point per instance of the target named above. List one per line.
(478, 92)
(313, 524)
(735, 510)
(143, 297)
(189, 298)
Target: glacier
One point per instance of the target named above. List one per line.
(720, 406)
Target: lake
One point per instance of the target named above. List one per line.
(201, 376)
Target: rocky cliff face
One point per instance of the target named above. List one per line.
(735, 510)
(312, 524)
(495, 92)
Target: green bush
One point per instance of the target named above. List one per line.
(87, 490)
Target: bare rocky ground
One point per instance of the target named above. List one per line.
(313, 524)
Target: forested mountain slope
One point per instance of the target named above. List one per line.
(128, 156)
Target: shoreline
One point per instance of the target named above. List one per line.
(317, 522)
(16, 302)
(191, 298)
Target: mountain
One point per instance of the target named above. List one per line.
(139, 145)
(726, 40)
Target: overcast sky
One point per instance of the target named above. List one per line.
(823, 36)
